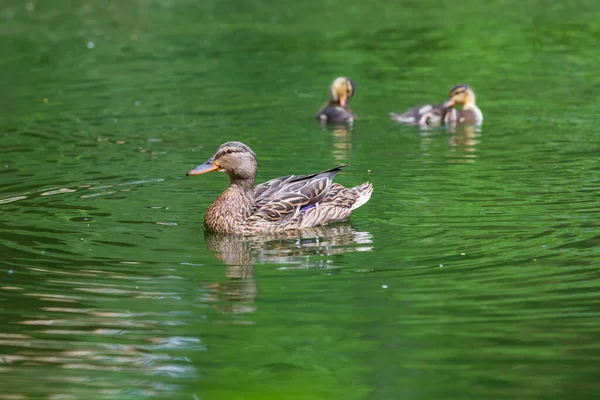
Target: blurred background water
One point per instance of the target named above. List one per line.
(471, 274)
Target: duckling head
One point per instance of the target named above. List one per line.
(341, 91)
(234, 158)
(460, 94)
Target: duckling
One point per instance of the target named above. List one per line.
(428, 115)
(424, 115)
(464, 95)
(337, 111)
(437, 117)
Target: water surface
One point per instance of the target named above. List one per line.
(471, 273)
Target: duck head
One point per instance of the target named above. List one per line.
(234, 158)
(460, 94)
(341, 91)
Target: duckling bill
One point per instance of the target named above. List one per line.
(337, 111)
(284, 203)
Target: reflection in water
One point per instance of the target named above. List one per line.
(306, 248)
(236, 295)
(96, 324)
(342, 142)
(462, 142)
(87, 190)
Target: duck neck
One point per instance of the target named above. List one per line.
(246, 183)
(232, 207)
(472, 107)
(469, 105)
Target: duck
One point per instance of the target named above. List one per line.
(464, 95)
(425, 115)
(281, 204)
(336, 110)
(428, 115)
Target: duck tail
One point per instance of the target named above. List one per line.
(364, 192)
(402, 118)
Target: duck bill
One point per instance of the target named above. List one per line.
(449, 103)
(207, 166)
(343, 102)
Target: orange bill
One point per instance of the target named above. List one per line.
(203, 168)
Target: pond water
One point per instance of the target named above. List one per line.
(472, 273)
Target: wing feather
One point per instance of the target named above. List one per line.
(282, 198)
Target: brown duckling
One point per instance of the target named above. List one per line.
(425, 115)
(464, 95)
(337, 111)
(288, 202)
(444, 114)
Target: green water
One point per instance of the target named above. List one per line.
(471, 274)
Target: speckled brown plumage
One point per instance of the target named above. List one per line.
(288, 202)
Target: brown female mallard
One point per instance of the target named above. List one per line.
(288, 202)
(337, 111)
(444, 114)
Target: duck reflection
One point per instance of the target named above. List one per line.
(342, 141)
(236, 295)
(462, 144)
(306, 248)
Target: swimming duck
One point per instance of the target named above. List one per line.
(425, 115)
(337, 111)
(287, 202)
(464, 95)
(444, 114)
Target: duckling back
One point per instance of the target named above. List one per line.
(334, 114)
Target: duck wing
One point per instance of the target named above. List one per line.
(413, 115)
(279, 197)
(264, 191)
